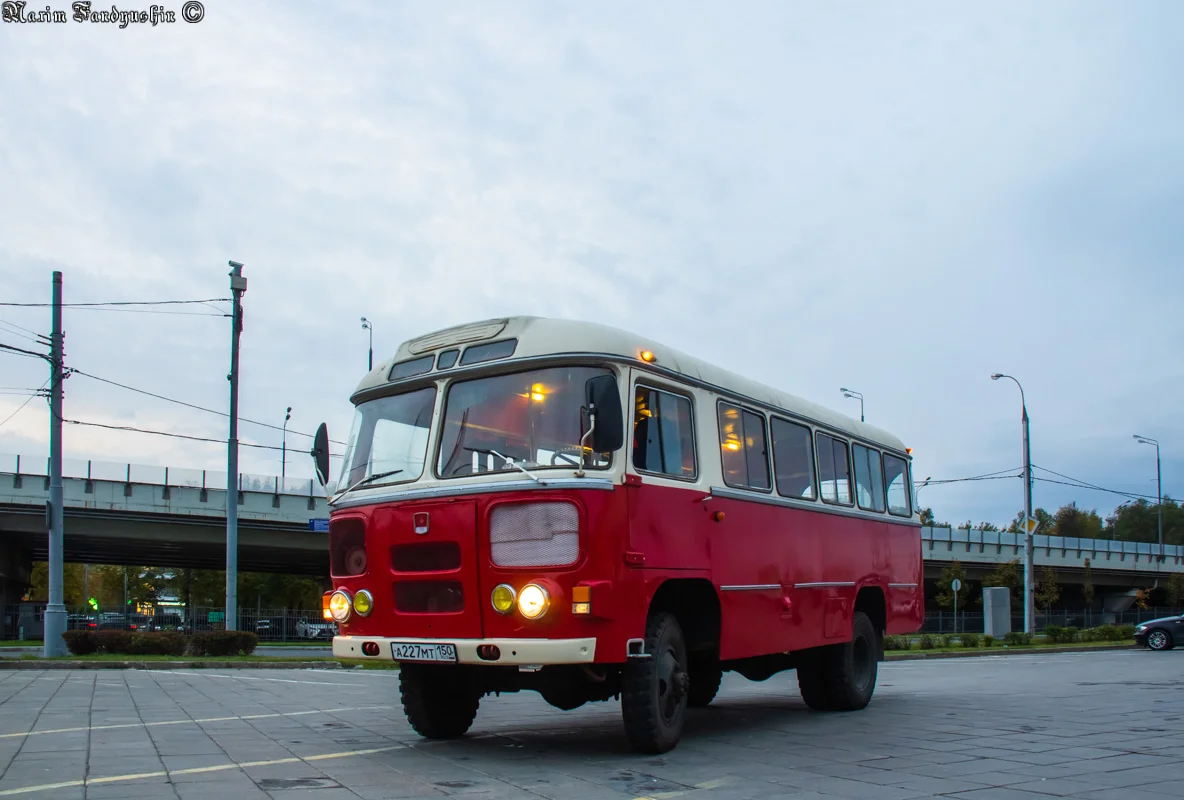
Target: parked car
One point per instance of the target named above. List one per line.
(1160, 634)
(315, 629)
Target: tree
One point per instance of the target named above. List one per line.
(987, 526)
(1137, 522)
(927, 516)
(1010, 575)
(1175, 589)
(1072, 522)
(1087, 585)
(1047, 591)
(945, 594)
(1045, 523)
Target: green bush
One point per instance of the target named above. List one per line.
(224, 643)
(81, 643)
(114, 641)
(927, 642)
(165, 643)
(942, 641)
(988, 641)
(1126, 632)
(897, 643)
(1058, 635)
(1018, 638)
(970, 640)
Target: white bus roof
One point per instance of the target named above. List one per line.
(543, 336)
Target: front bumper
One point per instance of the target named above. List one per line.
(1141, 637)
(513, 651)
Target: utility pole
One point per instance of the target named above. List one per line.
(55, 611)
(369, 326)
(1029, 607)
(284, 447)
(238, 285)
(1158, 489)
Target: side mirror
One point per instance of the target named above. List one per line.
(320, 453)
(604, 405)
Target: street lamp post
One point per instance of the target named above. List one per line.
(917, 491)
(284, 446)
(1029, 610)
(858, 396)
(1158, 489)
(367, 326)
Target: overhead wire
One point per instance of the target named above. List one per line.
(122, 303)
(21, 407)
(194, 406)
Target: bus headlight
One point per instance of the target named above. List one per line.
(503, 598)
(533, 601)
(363, 602)
(339, 605)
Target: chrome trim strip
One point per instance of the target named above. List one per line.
(750, 587)
(902, 586)
(806, 505)
(456, 490)
(823, 584)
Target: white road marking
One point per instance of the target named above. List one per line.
(706, 787)
(187, 721)
(45, 787)
(203, 674)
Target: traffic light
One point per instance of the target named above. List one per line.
(93, 603)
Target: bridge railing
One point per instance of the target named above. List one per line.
(144, 474)
(935, 537)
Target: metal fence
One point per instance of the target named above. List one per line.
(972, 622)
(27, 621)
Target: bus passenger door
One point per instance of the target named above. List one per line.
(667, 520)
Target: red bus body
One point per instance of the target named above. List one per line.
(758, 582)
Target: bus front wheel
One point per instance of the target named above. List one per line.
(440, 702)
(654, 689)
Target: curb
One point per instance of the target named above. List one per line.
(1001, 651)
(55, 664)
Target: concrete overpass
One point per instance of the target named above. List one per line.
(157, 516)
(140, 515)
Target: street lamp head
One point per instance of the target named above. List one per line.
(996, 376)
(365, 323)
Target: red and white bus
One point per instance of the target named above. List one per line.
(564, 507)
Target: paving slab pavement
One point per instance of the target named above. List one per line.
(1096, 725)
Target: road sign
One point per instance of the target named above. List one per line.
(1032, 523)
(321, 525)
(956, 585)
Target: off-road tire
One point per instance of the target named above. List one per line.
(654, 690)
(706, 676)
(842, 677)
(440, 701)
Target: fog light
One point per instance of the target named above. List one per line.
(489, 652)
(533, 601)
(581, 608)
(503, 598)
(370, 648)
(363, 602)
(339, 605)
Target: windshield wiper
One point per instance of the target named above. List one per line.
(363, 482)
(509, 461)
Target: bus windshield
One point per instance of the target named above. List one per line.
(389, 435)
(532, 417)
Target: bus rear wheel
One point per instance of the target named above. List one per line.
(842, 677)
(440, 702)
(654, 690)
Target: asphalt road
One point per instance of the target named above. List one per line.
(1102, 725)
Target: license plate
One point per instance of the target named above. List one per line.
(415, 651)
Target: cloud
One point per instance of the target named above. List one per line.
(904, 200)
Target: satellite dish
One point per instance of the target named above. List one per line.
(320, 453)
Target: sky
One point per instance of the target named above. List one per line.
(899, 199)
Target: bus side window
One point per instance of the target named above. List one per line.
(834, 472)
(743, 448)
(896, 477)
(869, 479)
(663, 434)
(793, 459)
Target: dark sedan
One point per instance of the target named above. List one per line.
(1160, 634)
